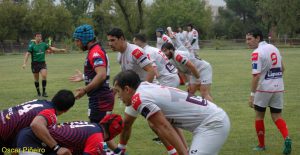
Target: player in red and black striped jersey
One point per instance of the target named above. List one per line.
(96, 75)
(79, 137)
(32, 113)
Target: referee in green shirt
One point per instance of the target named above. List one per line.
(37, 50)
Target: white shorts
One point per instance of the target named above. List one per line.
(264, 99)
(172, 81)
(208, 139)
(205, 76)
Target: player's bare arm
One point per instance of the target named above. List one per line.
(25, 59)
(164, 129)
(125, 134)
(151, 72)
(97, 80)
(180, 134)
(57, 50)
(193, 69)
(39, 128)
(254, 85)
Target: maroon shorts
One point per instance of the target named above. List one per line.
(36, 67)
(100, 105)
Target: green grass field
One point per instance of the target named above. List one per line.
(230, 89)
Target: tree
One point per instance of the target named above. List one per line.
(78, 9)
(163, 13)
(127, 15)
(237, 18)
(283, 16)
(49, 19)
(11, 20)
(139, 24)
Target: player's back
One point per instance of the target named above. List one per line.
(74, 135)
(271, 57)
(182, 109)
(16, 118)
(268, 62)
(166, 71)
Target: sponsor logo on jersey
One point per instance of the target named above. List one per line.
(96, 55)
(254, 65)
(274, 73)
(98, 61)
(136, 101)
(179, 58)
(137, 53)
(254, 56)
(165, 39)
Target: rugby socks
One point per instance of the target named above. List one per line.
(260, 131)
(281, 125)
(44, 83)
(37, 86)
(171, 150)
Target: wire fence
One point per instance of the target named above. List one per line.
(13, 47)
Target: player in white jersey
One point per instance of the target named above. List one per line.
(132, 57)
(162, 38)
(166, 72)
(181, 37)
(193, 40)
(267, 87)
(199, 70)
(165, 106)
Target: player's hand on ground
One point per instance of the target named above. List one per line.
(63, 151)
(24, 66)
(76, 77)
(120, 150)
(80, 92)
(251, 98)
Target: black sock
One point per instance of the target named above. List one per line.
(44, 83)
(37, 86)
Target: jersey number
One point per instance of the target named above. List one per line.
(27, 108)
(170, 67)
(274, 58)
(196, 100)
(80, 124)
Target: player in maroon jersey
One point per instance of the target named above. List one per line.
(96, 75)
(37, 113)
(80, 137)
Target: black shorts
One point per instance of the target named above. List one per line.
(36, 67)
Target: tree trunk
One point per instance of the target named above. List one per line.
(140, 24)
(126, 15)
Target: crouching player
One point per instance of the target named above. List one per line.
(166, 108)
(81, 138)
